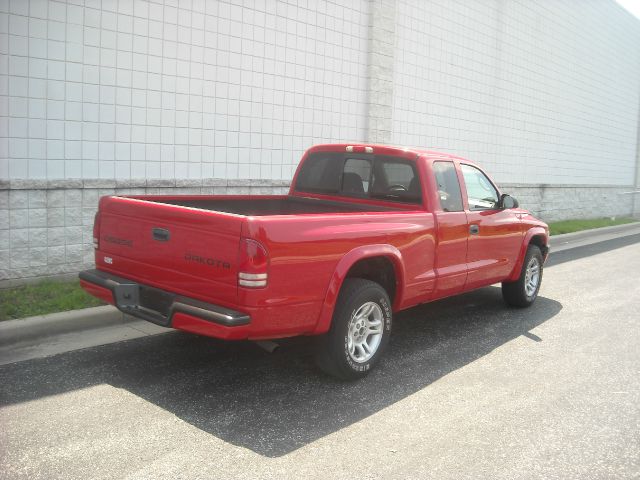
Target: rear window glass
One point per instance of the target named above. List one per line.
(381, 177)
(356, 176)
(320, 174)
(398, 173)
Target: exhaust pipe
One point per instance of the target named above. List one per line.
(267, 345)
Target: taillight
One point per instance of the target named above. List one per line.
(253, 265)
(96, 231)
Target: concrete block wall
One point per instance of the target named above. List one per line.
(136, 89)
(46, 228)
(190, 96)
(136, 96)
(562, 202)
(382, 35)
(542, 93)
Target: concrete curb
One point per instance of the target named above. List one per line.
(43, 326)
(29, 330)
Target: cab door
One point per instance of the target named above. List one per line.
(453, 231)
(495, 234)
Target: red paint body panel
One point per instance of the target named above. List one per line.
(102, 293)
(197, 233)
(342, 269)
(309, 254)
(533, 228)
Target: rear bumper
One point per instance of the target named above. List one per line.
(165, 308)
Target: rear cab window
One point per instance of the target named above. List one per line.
(379, 177)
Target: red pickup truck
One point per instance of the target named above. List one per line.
(365, 231)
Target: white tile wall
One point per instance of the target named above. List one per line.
(538, 92)
(177, 89)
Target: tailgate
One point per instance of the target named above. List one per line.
(183, 250)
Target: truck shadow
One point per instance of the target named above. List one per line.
(276, 403)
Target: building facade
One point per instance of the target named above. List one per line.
(191, 96)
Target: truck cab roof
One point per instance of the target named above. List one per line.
(410, 153)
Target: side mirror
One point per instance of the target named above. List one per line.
(507, 201)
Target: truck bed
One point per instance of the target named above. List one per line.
(188, 245)
(266, 205)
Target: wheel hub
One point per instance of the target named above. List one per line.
(532, 277)
(365, 332)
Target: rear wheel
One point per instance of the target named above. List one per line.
(524, 291)
(359, 330)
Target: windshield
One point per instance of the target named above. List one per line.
(364, 176)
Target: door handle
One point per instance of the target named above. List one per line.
(160, 234)
(474, 229)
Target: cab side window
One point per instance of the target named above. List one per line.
(481, 193)
(448, 186)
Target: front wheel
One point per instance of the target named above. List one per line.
(359, 330)
(524, 291)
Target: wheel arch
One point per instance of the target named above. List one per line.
(382, 264)
(534, 236)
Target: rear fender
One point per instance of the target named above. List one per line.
(342, 269)
(532, 232)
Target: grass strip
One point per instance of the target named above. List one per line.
(48, 296)
(570, 226)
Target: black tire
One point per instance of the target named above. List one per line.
(516, 293)
(333, 349)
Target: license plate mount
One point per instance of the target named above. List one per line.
(156, 300)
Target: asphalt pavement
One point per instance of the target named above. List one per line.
(468, 389)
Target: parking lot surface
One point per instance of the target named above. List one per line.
(468, 389)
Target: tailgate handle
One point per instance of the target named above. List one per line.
(160, 234)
